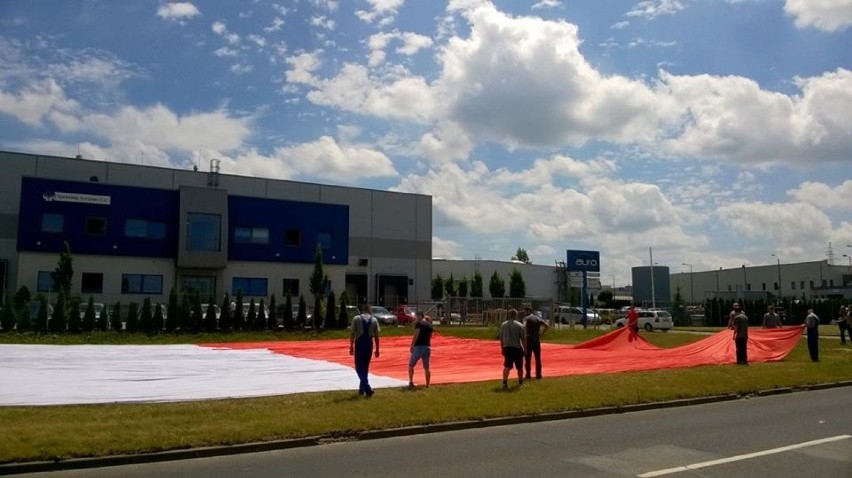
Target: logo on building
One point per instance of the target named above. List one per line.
(584, 261)
(77, 198)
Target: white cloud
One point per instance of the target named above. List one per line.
(826, 15)
(326, 158)
(651, 9)
(303, 67)
(445, 249)
(547, 4)
(226, 51)
(620, 25)
(221, 29)
(277, 24)
(782, 225)
(822, 196)
(534, 69)
(382, 10)
(447, 143)
(411, 44)
(32, 104)
(718, 114)
(396, 95)
(178, 11)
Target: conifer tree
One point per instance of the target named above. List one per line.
(288, 312)
(272, 320)
(330, 316)
(157, 321)
(115, 317)
(302, 318)
(225, 319)
(146, 319)
(260, 321)
(132, 325)
(210, 315)
(89, 315)
(74, 317)
(173, 311)
(239, 318)
(59, 322)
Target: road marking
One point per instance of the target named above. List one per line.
(747, 456)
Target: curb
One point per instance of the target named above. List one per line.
(206, 452)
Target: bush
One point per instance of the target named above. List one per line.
(115, 318)
(133, 318)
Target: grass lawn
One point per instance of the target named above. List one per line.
(61, 432)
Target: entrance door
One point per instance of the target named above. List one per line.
(391, 290)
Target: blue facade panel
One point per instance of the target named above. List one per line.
(292, 230)
(98, 219)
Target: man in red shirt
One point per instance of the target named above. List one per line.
(633, 320)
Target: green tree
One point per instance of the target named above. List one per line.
(476, 285)
(330, 317)
(185, 313)
(146, 318)
(132, 324)
(64, 272)
(302, 317)
(59, 321)
(679, 315)
(238, 318)
(342, 316)
(497, 286)
(450, 286)
(89, 315)
(173, 312)
(605, 298)
(521, 255)
(225, 318)
(22, 298)
(42, 317)
(210, 315)
(517, 286)
(288, 312)
(251, 317)
(115, 317)
(74, 316)
(463, 285)
(197, 315)
(273, 313)
(317, 316)
(101, 321)
(8, 316)
(317, 282)
(261, 315)
(157, 321)
(438, 287)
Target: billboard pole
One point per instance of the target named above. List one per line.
(653, 292)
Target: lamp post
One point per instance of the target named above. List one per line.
(779, 274)
(691, 283)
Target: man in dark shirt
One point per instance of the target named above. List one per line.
(533, 325)
(421, 348)
(740, 325)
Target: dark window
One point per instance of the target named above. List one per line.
(293, 237)
(141, 284)
(203, 232)
(748, 286)
(291, 286)
(802, 285)
(255, 286)
(54, 223)
(831, 282)
(92, 283)
(251, 235)
(812, 284)
(763, 286)
(204, 285)
(96, 226)
(324, 240)
(45, 282)
(143, 229)
(793, 285)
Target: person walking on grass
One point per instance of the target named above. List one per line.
(362, 333)
(843, 319)
(421, 348)
(534, 328)
(740, 326)
(513, 343)
(770, 318)
(812, 329)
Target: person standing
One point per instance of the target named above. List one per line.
(633, 320)
(812, 328)
(421, 348)
(770, 318)
(740, 326)
(533, 325)
(733, 313)
(363, 331)
(843, 319)
(512, 342)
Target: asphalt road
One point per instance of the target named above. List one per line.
(789, 435)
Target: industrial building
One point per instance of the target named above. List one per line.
(137, 231)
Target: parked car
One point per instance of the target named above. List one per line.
(352, 311)
(384, 316)
(405, 314)
(571, 315)
(650, 320)
(309, 313)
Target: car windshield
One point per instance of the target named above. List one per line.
(380, 310)
(664, 314)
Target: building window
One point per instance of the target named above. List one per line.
(748, 286)
(255, 286)
(96, 226)
(293, 237)
(764, 286)
(92, 283)
(793, 285)
(831, 282)
(204, 285)
(45, 282)
(774, 286)
(291, 286)
(811, 283)
(141, 284)
(53, 223)
(802, 284)
(324, 240)
(203, 232)
(251, 235)
(142, 229)
(729, 288)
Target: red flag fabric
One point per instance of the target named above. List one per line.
(457, 360)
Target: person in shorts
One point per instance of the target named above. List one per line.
(513, 343)
(421, 348)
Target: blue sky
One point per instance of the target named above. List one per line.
(717, 132)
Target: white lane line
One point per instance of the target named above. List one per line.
(747, 456)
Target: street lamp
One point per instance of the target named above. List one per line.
(691, 283)
(779, 274)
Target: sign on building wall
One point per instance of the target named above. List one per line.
(584, 261)
(77, 197)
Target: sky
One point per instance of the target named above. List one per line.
(714, 133)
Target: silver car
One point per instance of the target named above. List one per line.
(383, 315)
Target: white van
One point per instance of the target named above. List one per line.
(650, 320)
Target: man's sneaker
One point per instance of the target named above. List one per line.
(370, 393)
(505, 386)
